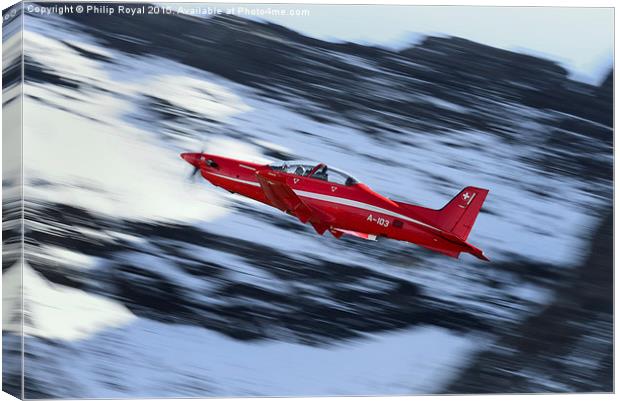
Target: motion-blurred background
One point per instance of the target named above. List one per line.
(142, 283)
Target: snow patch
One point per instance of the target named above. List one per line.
(404, 362)
(55, 311)
(75, 259)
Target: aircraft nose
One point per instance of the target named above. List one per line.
(191, 158)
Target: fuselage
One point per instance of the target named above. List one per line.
(352, 206)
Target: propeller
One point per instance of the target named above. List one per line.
(192, 176)
(196, 169)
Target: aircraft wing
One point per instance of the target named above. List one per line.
(282, 196)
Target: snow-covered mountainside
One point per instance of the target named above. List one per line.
(171, 287)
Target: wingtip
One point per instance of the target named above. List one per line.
(480, 254)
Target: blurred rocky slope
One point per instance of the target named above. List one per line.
(350, 79)
(568, 347)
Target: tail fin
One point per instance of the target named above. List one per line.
(459, 215)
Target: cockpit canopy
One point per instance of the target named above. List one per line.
(315, 170)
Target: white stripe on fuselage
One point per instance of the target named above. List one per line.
(253, 183)
(360, 205)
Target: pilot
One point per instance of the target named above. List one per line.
(299, 170)
(321, 174)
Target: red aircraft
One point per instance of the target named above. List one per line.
(332, 200)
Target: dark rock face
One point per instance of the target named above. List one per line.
(605, 97)
(568, 347)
